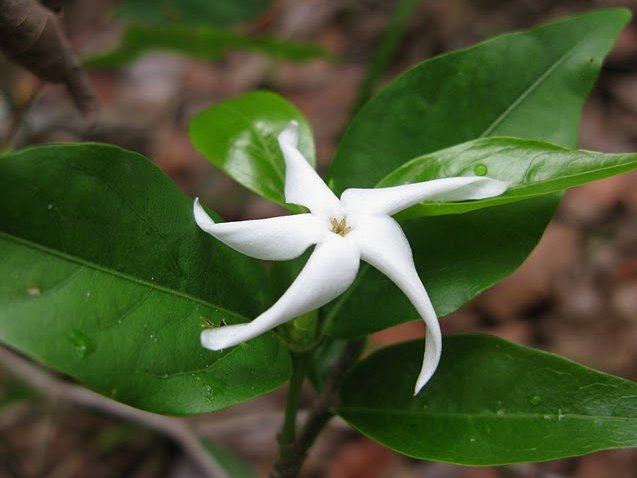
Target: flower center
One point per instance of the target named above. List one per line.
(340, 227)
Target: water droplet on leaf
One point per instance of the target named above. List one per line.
(535, 400)
(82, 343)
(210, 393)
(49, 207)
(480, 170)
(34, 291)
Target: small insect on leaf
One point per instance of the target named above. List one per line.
(207, 323)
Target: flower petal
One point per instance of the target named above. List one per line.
(394, 199)
(383, 245)
(303, 186)
(276, 238)
(329, 271)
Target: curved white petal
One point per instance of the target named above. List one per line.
(329, 271)
(276, 238)
(394, 199)
(303, 186)
(383, 244)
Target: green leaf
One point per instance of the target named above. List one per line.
(199, 42)
(240, 137)
(323, 360)
(532, 168)
(196, 12)
(491, 402)
(530, 84)
(107, 278)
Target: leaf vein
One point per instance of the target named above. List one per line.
(525, 94)
(118, 274)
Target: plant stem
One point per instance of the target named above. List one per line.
(385, 51)
(319, 415)
(287, 437)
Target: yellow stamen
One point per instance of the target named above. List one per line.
(340, 227)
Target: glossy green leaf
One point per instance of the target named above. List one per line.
(196, 12)
(530, 84)
(107, 278)
(199, 42)
(532, 168)
(323, 360)
(240, 137)
(491, 402)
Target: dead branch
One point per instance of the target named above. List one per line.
(32, 37)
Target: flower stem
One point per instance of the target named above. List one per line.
(287, 437)
(288, 466)
(320, 412)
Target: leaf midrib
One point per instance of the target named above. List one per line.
(519, 192)
(528, 91)
(485, 415)
(631, 158)
(115, 273)
(266, 147)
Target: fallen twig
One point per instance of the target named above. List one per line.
(173, 428)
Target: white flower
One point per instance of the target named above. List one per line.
(358, 226)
